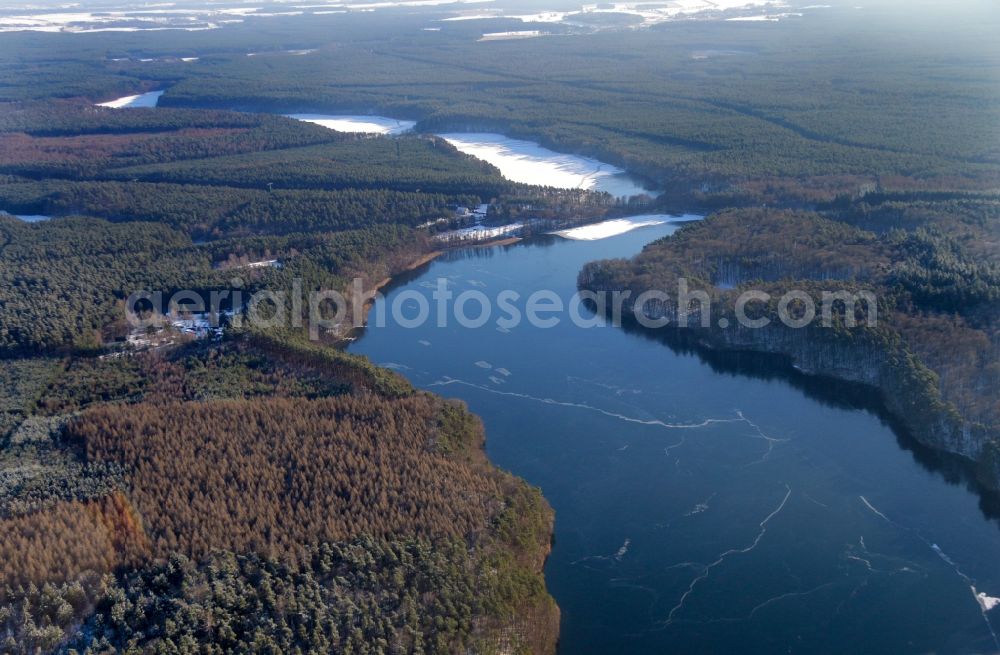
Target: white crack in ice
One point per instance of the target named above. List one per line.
(707, 569)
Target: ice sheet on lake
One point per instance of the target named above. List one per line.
(127, 17)
(529, 163)
(517, 34)
(768, 18)
(985, 601)
(479, 16)
(707, 569)
(149, 99)
(700, 507)
(479, 232)
(543, 17)
(357, 124)
(617, 226)
(72, 18)
(448, 381)
(648, 13)
(410, 3)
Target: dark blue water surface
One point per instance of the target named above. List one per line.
(703, 507)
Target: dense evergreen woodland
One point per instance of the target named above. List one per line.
(214, 174)
(262, 494)
(259, 492)
(64, 282)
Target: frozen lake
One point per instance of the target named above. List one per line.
(530, 163)
(616, 226)
(357, 124)
(703, 505)
(148, 99)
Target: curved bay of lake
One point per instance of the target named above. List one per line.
(702, 505)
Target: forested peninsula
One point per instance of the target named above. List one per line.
(929, 351)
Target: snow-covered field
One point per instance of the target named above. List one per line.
(136, 16)
(139, 16)
(530, 163)
(617, 226)
(141, 100)
(358, 124)
(766, 18)
(121, 18)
